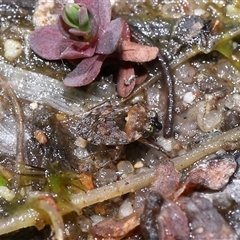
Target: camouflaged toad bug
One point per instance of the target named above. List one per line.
(116, 125)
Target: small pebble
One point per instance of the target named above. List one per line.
(96, 219)
(80, 142)
(12, 49)
(40, 136)
(33, 105)
(138, 164)
(6, 193)
(125, 209)
(199, 12)
(165, 143)
(125, 167)
(60, 116)
(188, 98)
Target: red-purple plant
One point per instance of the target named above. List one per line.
(86, 34)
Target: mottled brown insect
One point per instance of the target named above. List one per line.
(193, 29)
(117, 125)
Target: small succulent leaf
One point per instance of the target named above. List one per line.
(126, 80)
(109, 40)
(76, 20)
(46, 41)
(80, 33)
(85, 72)
(71, 15)
(135, 52)
(73, 33)
(84, 19)
(225, 48)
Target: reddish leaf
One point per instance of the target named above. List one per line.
(126, 80)
(85, 72)
(109, 40)
(63, 27)
(64, 41)
(48, 43)
(45, 42)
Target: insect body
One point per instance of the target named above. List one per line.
(116, 125)
(192, 29)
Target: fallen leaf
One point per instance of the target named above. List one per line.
(134, 52)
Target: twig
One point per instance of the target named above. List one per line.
(167, 77)
(206, 148)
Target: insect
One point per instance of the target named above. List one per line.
(117, 125)
(192, 29)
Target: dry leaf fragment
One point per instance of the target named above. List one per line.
(86, 180)
(134, 52)
(115, 229)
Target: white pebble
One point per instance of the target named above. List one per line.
(80, 142)
(6, 193)
(138, 164)
(125, 209)
(209, 120)
(188, 98)
(165, 143)
(33, 105)
(96, 219)
(236, 98)
(125, 167)
(233, 101)
(12, 49)
(46, 13)
(199, 12)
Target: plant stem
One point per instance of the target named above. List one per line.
(26, 217)
(20, 129)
